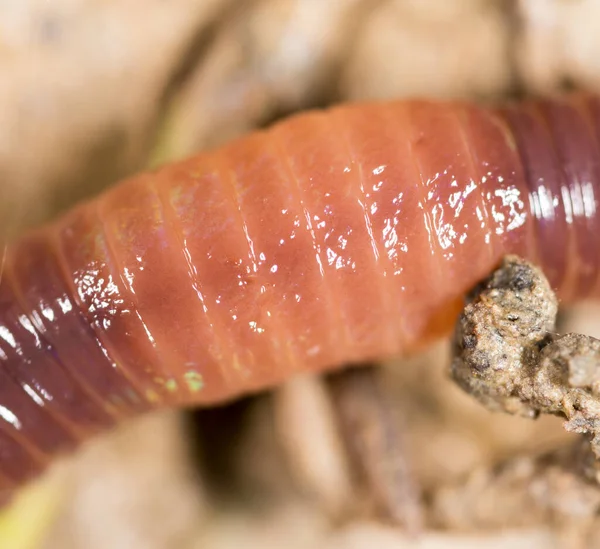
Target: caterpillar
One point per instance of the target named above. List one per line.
(333, 237)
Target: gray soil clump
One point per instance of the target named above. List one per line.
(508, 355)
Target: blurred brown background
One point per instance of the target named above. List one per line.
(93, 90)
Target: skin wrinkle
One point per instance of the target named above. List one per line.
(225, 176)
(577, 169)
(586, 115)
(422, 193)
(107, 407)
(517, 162)
(3, 261)
(292, 358)
(219, 166)
(276, 324)
(387, 115)
(520, 112)
(459, 114)
(80, 384)
(571, 259)
(169, 219)
(384, 282)
(70, 427)
(93, 403)
(230, 177)
(38, 458)
(116, 361)
(331, 296)
(158, 379)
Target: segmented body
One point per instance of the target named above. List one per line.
(331, 238)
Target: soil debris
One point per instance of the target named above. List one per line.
(375, 441)
(509, 356)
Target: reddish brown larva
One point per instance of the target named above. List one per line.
(332, 238)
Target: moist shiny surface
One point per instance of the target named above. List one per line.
(332, 238)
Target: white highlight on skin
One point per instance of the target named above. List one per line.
(9, 417)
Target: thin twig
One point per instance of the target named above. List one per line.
(375, 438)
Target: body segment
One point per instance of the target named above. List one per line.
(331, 238)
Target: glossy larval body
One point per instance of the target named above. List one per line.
(332, 238)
